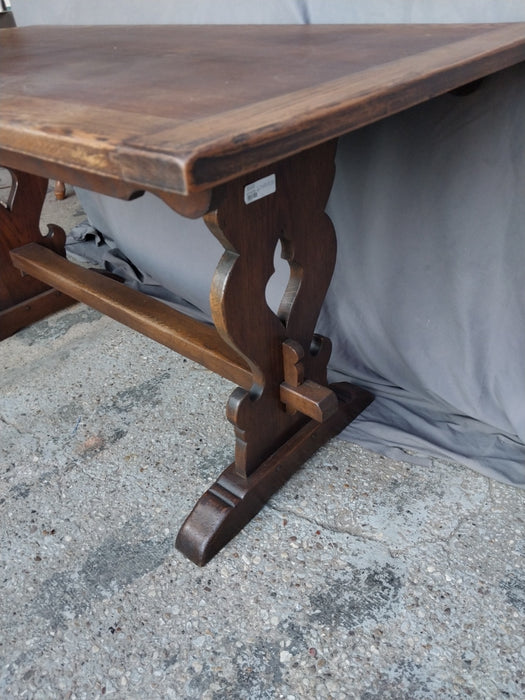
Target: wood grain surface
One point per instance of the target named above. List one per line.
(180, 109)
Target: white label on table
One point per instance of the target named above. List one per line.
(259, 189)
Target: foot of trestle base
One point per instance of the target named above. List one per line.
(232, 501)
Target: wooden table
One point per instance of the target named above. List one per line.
(238, 125)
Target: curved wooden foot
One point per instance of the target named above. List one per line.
(233, 500)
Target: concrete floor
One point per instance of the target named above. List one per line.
(363, 578)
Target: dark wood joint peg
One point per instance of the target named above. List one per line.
(312, 399)
(293, 353)
(308, 397)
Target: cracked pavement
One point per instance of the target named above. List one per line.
(362, 578)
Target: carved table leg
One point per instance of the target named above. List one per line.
(282, 350)
(24, 300)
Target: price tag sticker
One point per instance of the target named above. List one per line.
(259, 189)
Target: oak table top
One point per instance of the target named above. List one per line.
(183, 108)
